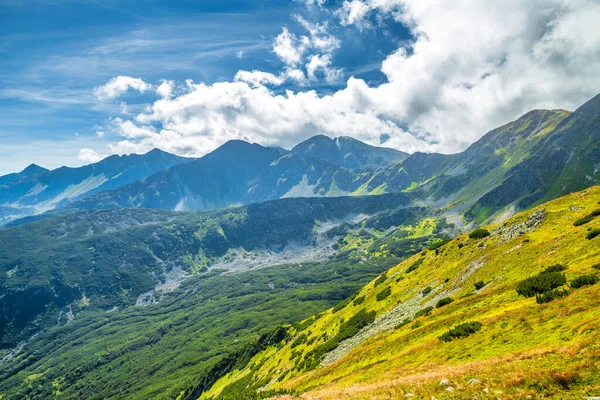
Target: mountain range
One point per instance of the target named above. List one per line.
(331, 268)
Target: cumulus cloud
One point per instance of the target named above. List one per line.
(258, 78)
(469, 69)
(89, 156)
(289, 48)
(322, 63)
(165, 89)
(118, 86)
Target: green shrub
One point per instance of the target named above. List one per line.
(380, 280)
(584, 280)
(438, 244)
(416, 325)
(359, 300)
(583, 220)
(595, 213)
(384, 294)
(341, 304)
(404, 322)
(444, 301)
(556, 268)
(461, 245)
(427, 290)
(415, 265)
(462, 330)
(540, 283)
(547, 297)
(479, 284)
(299, 340)
(596, 266)
(424, 312)
(479, 233)
(592, 234)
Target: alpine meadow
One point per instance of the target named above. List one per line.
(314, 199)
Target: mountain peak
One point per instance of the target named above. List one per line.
(33, 169)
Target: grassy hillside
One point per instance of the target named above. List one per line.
(449, 322)
(71, 326)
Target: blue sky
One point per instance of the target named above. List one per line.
(55, 52)
(412, 75)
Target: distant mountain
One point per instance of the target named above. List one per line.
(31, 170)
(347, 152)
(242, 173)
(36, 190)
(540, 156)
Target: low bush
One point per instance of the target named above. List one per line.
(584, 280)
(596, 266)
(556, 268)
(444, 301)
(540, 283)
(404, 322)
(479, 284)
(592, 234)
(384, 294)
(380, 280)
(299, 340)
(462, 330)
(479, 233)
(424, 312)
(583, 220)
(359, 300)
(461, 245)
(438, 244)
(547, 297)
(427, 290)
(415, 265)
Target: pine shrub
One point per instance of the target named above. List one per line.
(427, 290)
(444, 301)
(592, 234)
(540, 283)
(547, 297)
(479, 284)
(479, 233)
(415, 265)
(462, 330)
(424, 312)
(384, 294)
(584, 280)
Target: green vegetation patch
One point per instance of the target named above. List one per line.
(547, 297)
(443, 302)
(479, 233)
(382, 278)
(415, 265)
(424, 312)
(462, 330)
(427, 290)
(438, 244)
(556, 268)
(479, 285)
(540, 283)
(384, 294)
(584, 280)
(592, 234)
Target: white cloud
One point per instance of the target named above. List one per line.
(322, 63)
(165, 89)
(289, 48)
(258, 78)
(470, 69)
(118, 86)
(89, 156)
(240, 54)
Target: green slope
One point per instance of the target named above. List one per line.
(79, 276)
(522, 348)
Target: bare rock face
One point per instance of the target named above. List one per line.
(510, 231)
